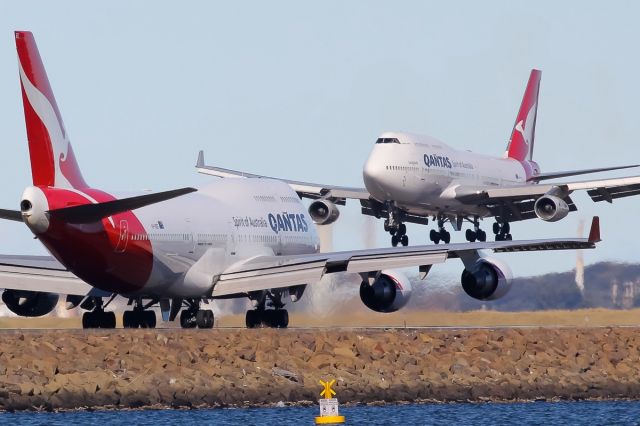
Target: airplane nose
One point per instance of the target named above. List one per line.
(373, 175)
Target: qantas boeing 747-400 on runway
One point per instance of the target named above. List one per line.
(411, 178)
(246, 238)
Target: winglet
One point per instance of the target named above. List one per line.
(594, 233)
(200, 162)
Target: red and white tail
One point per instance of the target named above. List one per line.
(524, 131)
(52, 160)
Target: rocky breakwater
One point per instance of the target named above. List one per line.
(184, 368)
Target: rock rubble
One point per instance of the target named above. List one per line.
(75, 369)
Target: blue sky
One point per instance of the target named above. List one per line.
(301, 90)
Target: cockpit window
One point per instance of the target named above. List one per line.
(387, 140)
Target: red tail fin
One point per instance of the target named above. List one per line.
(52, 159)
(523, 134)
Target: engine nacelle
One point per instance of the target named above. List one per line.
(323, 212)
(551, 208)
(389, 292)
(489, 279)
(29, 303)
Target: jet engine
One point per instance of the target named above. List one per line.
(389, 292)
(489, 279)
(551, 208)
(323, 212)
(29, 303)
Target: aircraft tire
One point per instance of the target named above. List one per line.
(482, 236)
(107, 320)
(508, 237)
(394, 241)
(147, 319)
(402, 229)
(404, 240)
(187, 319)
(252, 319)
(471, 235)
(446, 237)
(281, 318)
(496, 228)
(204, 318)
(88, 320)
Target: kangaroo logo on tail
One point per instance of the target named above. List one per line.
(522, 137)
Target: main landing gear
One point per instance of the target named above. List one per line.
(98, 317)
(140, 316)
(394, 226)
(278, 317)
(193, 316)
(440, 234)
(502, 231)
(476, 234)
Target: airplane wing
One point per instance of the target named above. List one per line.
(304, 189)
(271, 272)
(42, 273)
(516, 202)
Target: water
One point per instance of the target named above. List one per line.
(535, 413)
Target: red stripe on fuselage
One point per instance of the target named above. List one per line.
(92, 251)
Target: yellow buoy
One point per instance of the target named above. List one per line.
(328, 406)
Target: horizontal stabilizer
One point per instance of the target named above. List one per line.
(89, 213)
(547, 176)
(11, 215)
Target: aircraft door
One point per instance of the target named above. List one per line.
(123, 239)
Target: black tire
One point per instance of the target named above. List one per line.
(204, 318)
(446, 237)
(108, 320)
(506, 228)
(499, 237)
(386, 225)
(471, 235)
(482, 236)
(394, 240)
(87, 320)
(187, 319)
(496, 228)
(508, 237)
(250, 319)
(148, 319)
(269, 318)
(281, 318)
(404, 240)
(434, 236)
(402, 229)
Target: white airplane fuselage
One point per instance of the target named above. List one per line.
(421, 174)
(172, 249)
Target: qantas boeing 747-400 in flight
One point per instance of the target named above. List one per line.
(246, 238)
(411, 178)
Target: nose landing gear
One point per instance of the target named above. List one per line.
(394, 226)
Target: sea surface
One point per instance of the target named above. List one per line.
(534, 413)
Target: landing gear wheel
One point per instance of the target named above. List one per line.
(386, 225)
(496, 228)
(108, 320)
(404, 240)
(129, 320)
(147, 319)
(499, 237)
(402, 229)
(88, 320)
(482, 236)
(446, 237)
(434, 236)
(506, 228)
(204, 318)
(281, 318)
(187, 319)
(98, 319)
(394, 240)
(508, 237)
(252, 319)
(471, 235)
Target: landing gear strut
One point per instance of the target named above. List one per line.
(263, 317)
(502, 231)
(477, 233)
(394, 226)
(193, 316)
(440, 234)
(98, 317)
